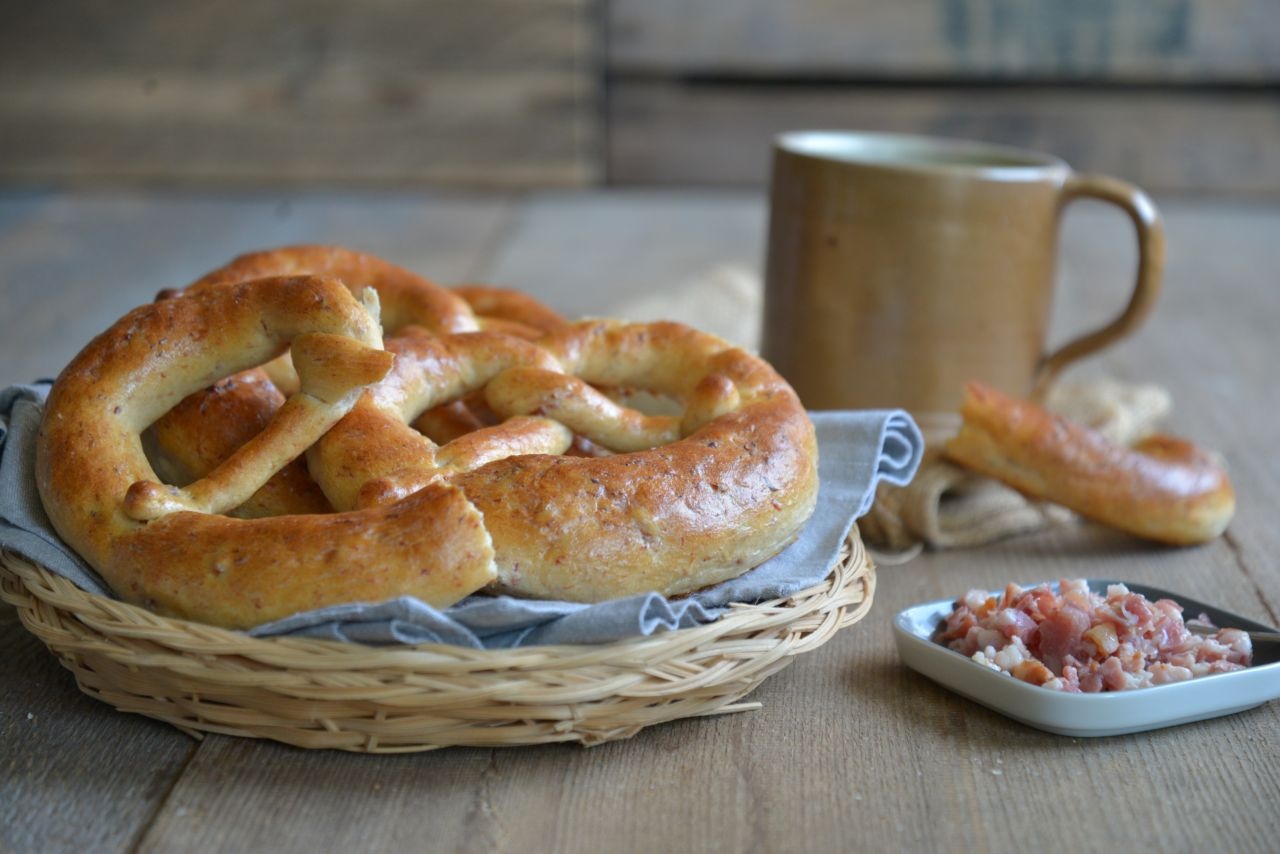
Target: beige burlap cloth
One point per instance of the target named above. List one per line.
(945, 506)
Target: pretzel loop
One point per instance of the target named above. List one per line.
(102, 496)
(688, 501)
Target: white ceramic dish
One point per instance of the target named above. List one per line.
(1092, 714)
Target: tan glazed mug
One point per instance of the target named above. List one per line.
(900, 267)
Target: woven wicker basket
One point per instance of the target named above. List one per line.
(325, 694)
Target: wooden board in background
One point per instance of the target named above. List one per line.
(674, 133)
(386, 92)
(1158, 40)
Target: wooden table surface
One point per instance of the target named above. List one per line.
(851, 750)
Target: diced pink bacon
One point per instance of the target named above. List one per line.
(1070, 679)
(1012, 593)
(1104, 639)
(1089, 677)
(1114, 677)
(1136, 609)
(1222, 666)
(1061, 633)
(1076, 592)
(1077, 641)
(1012, 623)
(1240, 643)
(1170, 635)
(1163, 674)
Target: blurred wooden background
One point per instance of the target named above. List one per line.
(1177, 95)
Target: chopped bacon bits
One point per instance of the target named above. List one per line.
(1078, 641)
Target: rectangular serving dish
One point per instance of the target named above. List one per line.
(1090, 715)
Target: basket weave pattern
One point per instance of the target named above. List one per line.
(326, 694)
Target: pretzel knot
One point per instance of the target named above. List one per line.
(205, 428)
(672, 503)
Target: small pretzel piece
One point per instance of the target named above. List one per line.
(1164, 489)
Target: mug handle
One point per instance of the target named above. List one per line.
(1150, 233)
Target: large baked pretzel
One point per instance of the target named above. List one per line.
(687, 501)
(166, 546)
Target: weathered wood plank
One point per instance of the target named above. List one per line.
(392, 92)
(584, 255)
(668, 133)
(849, 745)
(74, 774)
(851, 749)
(1166, 40)
(253, 796)
(71, 265)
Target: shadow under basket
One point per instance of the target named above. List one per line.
(396, 699)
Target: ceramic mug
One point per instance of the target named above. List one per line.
(900, 267)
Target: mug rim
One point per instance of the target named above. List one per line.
(825, 146)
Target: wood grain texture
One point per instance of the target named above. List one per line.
(71, 265)
(670, 133)
(1163, 40)
(388, 92)
(74, 774)
(583, 255)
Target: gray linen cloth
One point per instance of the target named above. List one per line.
(857, 451)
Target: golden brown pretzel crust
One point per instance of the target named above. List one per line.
(510, 312)
(696, 500)
(206, 428)
(237, 572)
(407, 300)
(682, 502)
(406, 297)
(1163, 489)
(372, 456)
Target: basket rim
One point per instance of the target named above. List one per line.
(317, 693)
(116, 618)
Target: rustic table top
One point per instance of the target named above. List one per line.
(850, 750)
